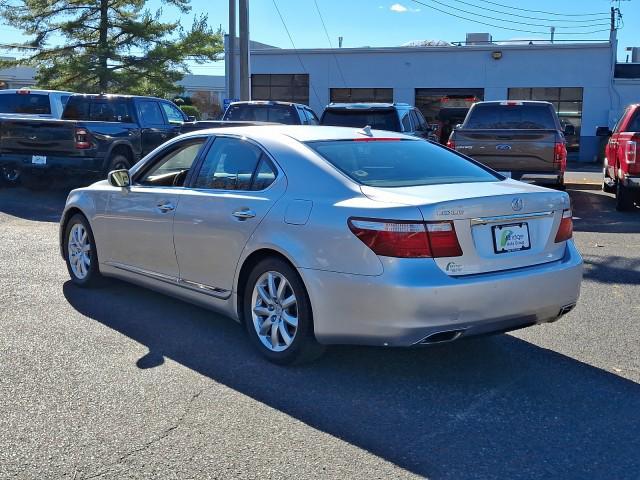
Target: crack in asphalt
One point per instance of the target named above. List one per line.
(165, 433)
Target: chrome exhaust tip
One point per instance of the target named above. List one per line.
(566, 309)
(441, 337)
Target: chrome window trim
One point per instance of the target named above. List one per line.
(509, 218)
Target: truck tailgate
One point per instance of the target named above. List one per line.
(37, 136)
(509, 150)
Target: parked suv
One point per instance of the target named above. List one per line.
(521, 139)
(396, 117)
(270, 111)
(621, 167)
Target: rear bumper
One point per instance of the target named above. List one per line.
(54, 164)
(414, 299)
(547, 178)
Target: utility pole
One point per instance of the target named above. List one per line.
(245, 93)
(231, 49)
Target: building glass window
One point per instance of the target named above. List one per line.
(566, 100)
(361, 95)
(281, 87)
(444, 108)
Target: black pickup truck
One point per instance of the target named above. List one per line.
(96, 134)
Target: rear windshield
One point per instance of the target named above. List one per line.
(263, 113)
(99, 110)
(400, 163)
(378, 119)
(522, 117)
(26, 103)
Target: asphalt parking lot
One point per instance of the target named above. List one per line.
(121, 382)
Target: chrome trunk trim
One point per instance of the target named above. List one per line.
(510, 218)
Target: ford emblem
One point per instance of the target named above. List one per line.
(517, 204)
(503, 146)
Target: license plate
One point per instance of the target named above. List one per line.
(511, 238)
(505, 174)
(39, 160)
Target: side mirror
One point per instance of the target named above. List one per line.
(458, 126)
(191, 118)
(569, 129)
(603, 132)
(119, 178)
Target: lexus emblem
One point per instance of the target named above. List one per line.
(517, 204)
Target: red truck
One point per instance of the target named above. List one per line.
(622, 159)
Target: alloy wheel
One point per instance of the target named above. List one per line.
(79, 251)
(274, 311)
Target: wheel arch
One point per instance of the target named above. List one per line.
(120, 147)
(248, 263)
(66, 216)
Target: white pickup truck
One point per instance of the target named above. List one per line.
(29, 103)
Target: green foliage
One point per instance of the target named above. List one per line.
(191, 111)
(113, 46)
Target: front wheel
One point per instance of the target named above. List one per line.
(278, 314)
(80, 252)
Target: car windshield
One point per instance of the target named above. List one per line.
(262, 113)
(378, 119)
(27, 103)
(400, 163)
(522, 117)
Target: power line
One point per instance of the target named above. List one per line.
(500, 26)
(284, 24)
(605, 17)
(513, 21)
(543, 12)
(335, 58)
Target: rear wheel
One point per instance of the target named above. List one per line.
(9, 176)
(624, 197)
(118, 162)
(278, 315)
(80, 252)
(559, 185)
(608, 185)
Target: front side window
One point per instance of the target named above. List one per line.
(171, 169)
(234, 164)
(311, 117)
(173, 114)
(400, 163)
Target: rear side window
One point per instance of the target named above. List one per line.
(634, 124)
(25, 103)
(79, 108)
(262, 113)
(400, 163)
(378, 119)
(522, 117)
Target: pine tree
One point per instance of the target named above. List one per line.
(113, 46)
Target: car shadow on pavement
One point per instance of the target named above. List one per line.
(494, 407)
(594, 211)
(40, 206)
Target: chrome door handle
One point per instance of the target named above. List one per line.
(166, 207)
(244, 214)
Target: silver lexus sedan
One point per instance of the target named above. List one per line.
(323, 235)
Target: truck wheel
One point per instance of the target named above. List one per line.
(608, 185)
(118, 162)
(9, 176)
(624, 198)
(559, 185)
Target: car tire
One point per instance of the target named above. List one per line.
(560, 185)
(118, 162)
(278, 316)
(9, 176)
(80, 252)
(624, 197)
(605, 185)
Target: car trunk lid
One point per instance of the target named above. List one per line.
(500, 225)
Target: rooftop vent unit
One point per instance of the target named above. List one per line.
(478, 38)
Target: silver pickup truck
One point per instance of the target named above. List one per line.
(520, 139)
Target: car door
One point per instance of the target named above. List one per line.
(235, 187)
(138, 220)
(154, 128)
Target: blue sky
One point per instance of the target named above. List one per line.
(391, 23)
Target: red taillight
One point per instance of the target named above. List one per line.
(451, 143)
(390, 238)
(82, 139)
(631, 156)
(23, 91)
(565, 230)
(560, 156)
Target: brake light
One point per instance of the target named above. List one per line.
(23, 91)
(391, 238)
(631, 155)
(560, 156)
(565, 230)
(451, 143)
(82, 139)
